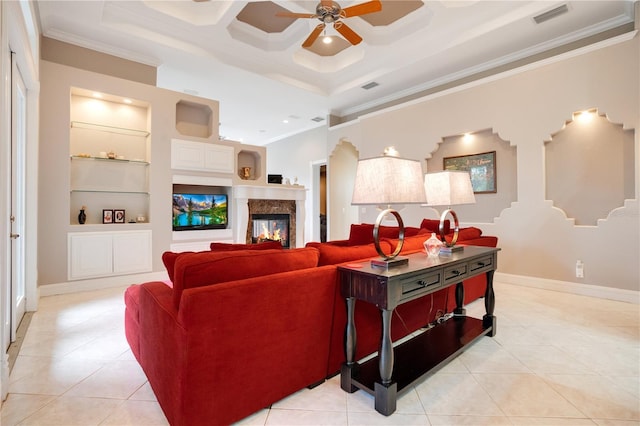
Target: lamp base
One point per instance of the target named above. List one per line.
(389, 263)
(449, 250)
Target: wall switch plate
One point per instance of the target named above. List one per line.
(579, 269)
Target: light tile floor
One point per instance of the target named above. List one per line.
(557, 359)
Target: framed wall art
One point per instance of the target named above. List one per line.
(481, 168)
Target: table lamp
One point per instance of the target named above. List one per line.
(385, 181)
(448, 188)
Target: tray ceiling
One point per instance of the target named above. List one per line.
(241, 54)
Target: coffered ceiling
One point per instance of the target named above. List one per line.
(269, 86)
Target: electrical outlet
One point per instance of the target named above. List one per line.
(579, 269)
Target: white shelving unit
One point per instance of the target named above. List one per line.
(97, 181)
(108, 170)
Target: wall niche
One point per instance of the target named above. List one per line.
(589, 166)
(488, 205)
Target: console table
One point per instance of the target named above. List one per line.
(394, 369)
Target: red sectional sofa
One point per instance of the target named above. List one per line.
(237, 329)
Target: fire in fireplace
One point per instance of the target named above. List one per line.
(270, 227)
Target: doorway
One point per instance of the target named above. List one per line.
(319, 201)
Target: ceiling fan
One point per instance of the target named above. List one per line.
(330, 12)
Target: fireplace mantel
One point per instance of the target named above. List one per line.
(270, 192)
(243, 193)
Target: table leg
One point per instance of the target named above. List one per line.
(350, 331)
(459, 310)
(386, 348)
(386, 392)
(489, 320)
(347, 369)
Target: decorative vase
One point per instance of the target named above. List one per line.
(432, 245)
(82, 216)
(246, 173)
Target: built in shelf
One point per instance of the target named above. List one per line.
(115, 160)
(110, 191)
(109, 129)
(194, 119)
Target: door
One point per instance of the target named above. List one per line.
(17, 213)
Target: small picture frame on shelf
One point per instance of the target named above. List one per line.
(107, 216)
(118, 216)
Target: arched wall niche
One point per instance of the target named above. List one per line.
(341, 175)
(590, 167)
(488, 205)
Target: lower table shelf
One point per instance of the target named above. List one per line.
(425, 353)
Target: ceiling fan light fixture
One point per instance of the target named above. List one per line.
(327, 39)
(330, 12)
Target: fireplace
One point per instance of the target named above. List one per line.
(272, 220)
(270, 227)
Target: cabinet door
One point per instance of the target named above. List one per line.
(187, 155)
(198, 156)
(132, 252)
(90, 255)
(218, 158)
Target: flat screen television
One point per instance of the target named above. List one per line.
(199, 211)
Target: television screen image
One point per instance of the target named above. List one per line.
(199, 211)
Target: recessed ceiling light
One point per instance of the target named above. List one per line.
(97, 95)
(126, 101)
(285, 121)
(585, 116)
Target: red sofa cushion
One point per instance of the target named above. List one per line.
(266, 245)
(169, 259)
(206, 268)
(331, 254)
(469, 233)
(361, 234)
(432, 225)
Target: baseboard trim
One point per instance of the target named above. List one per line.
(621, 295)
(100, 283)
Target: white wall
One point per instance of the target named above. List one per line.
(525, 107)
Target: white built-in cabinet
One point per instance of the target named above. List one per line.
(109, 169)
(101, 254)
(201, 157)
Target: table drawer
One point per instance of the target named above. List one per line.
(482, 264)
(416, 284)
(456, 273)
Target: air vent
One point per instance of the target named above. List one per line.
(551, 14)
(317, 119)
(370, 85)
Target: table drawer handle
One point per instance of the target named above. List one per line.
(422, 283)
(455, 273)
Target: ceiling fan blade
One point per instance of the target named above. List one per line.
(295, 15)
(313, 36)
(362, 9)
(347, 33)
